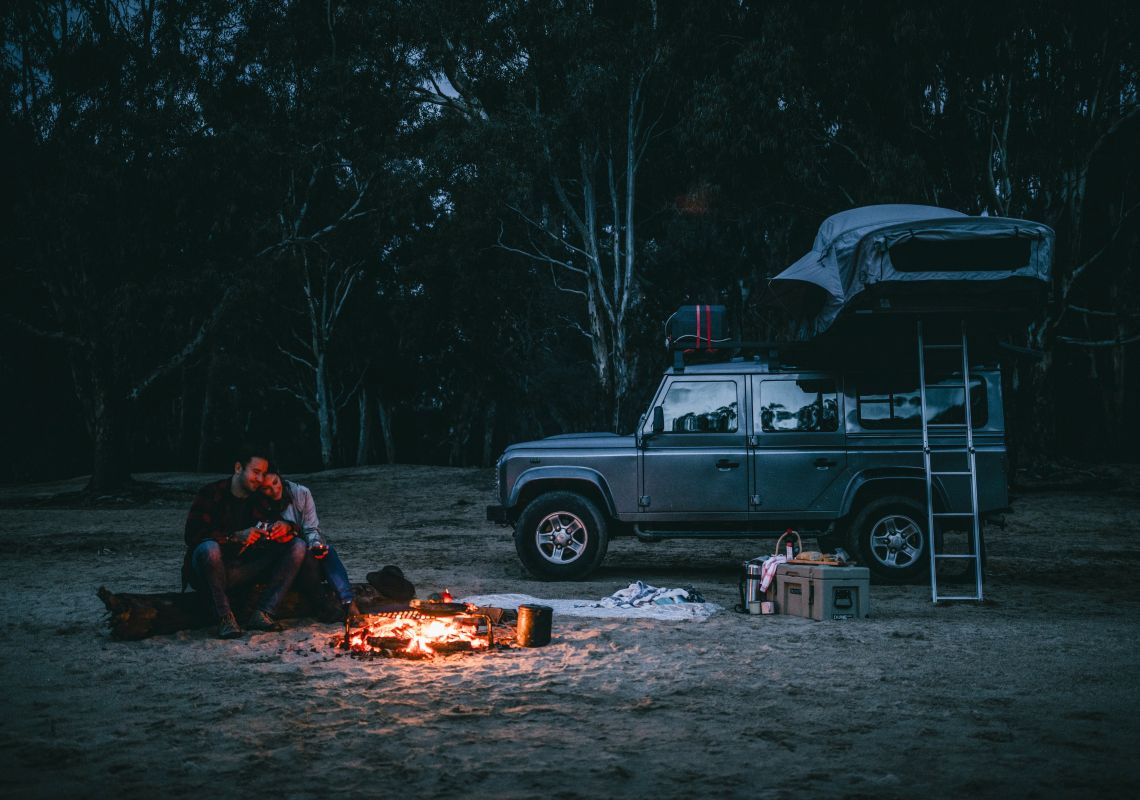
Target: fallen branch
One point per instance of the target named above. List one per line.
(139, 616)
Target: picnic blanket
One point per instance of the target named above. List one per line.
(637, 601)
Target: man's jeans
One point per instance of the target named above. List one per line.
(331, 569)
(276, 563)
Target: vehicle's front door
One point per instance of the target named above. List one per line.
(798, 441)
(699, 463)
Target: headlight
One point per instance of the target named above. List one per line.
(499, 477)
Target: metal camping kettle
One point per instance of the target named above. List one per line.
(753, 595)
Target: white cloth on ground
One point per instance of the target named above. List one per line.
(640, 593)
(671, 610)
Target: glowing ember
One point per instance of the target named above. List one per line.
(421, 637)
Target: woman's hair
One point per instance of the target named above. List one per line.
(286, 496)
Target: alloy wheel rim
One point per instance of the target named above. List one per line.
(897, 541)
(561, 537)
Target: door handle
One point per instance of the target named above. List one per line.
(725, 464)
(824, 463)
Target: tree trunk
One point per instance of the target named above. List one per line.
(109, 468)
(325, 413)
(386, 431)
(364, 431)
(202, 463)
(621, 377)
(461, 433)
(488, 434)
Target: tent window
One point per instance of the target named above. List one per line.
(969, 255)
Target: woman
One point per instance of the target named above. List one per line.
(295, 505)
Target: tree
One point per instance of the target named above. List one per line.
(103, 106)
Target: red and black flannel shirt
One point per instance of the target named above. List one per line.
(216, 514)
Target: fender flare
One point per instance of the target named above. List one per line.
(562, 475)
(917, 475)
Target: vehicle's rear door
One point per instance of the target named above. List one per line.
(798, 448)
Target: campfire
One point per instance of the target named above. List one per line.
(421, 633)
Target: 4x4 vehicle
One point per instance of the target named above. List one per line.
(748, 447)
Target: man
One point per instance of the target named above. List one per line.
(232, 541)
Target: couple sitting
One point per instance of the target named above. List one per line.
(254, 526)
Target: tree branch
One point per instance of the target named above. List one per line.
(539, 256)
(312, 409)
(1081, 268)
(179, 358)
(559, 239)
(296, 358)
(1098, 342)
(344, 397)
(1092, 312)
(54, 336)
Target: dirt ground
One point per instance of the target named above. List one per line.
(1032, 695)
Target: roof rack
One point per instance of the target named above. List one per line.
(765, 353)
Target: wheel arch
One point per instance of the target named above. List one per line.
(582, 480)
(873, 484)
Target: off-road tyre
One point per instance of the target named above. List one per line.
(561, 536)
(889, 537)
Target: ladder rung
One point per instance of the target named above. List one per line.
(970, 556)
(952, 473)
(942, 347)
(953, 514)
(941, 597)
(961, 425)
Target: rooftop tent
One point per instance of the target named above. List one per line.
(889, 259)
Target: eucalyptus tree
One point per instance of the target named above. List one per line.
(111, 259)
(1049, 102)
(576, 93)
(331, 105)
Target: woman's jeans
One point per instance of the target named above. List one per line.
(331, 569)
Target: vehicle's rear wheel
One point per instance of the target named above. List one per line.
(561, 536)
(889, 535)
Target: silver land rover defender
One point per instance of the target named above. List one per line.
(852, 436)
(749, 447)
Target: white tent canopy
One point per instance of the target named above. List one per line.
(873, 256)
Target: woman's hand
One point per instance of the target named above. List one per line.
(280, 531)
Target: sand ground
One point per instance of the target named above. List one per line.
(1034, 695)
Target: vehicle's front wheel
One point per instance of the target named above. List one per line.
(561, 536)
(889, 535)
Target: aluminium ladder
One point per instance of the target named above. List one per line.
(970, 473)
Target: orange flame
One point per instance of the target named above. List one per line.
(423, 636)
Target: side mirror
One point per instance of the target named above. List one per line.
(658, 420)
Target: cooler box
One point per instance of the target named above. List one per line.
(820, 592)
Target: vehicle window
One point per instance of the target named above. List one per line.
(701, 407)
(896, 404)
(805, 405)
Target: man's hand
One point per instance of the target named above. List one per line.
(280, 531)
(249, 537)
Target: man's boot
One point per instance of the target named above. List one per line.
(259, 620)
(228, 627)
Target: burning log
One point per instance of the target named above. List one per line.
(419, 635)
